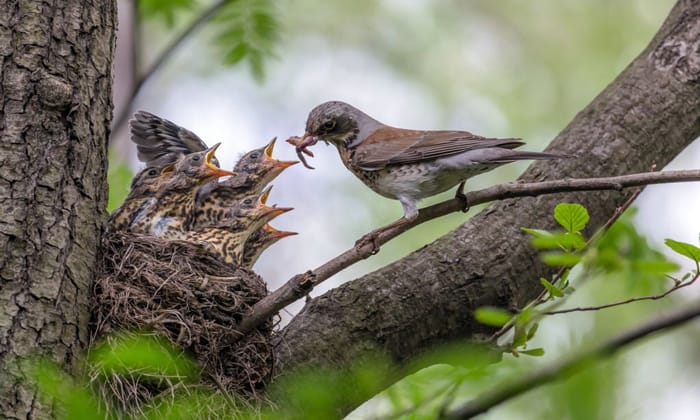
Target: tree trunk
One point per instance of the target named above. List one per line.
(55, 111)
(648, 115)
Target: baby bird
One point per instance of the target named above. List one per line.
(171, 209)
(259, 241)
(161, 142)
(143, 189)
(227, 237)
(255, 169)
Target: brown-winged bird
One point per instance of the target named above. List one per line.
(403, 164)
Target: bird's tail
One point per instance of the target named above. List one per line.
(519, 155)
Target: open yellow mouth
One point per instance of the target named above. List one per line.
(270, 147)
(281, 164)
(274, 233)
(215, 170)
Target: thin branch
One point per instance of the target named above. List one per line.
(598, 233)
(630, 300)
(571, 365)
(302, 284)
(167, 52)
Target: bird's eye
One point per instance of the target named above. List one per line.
(328, 125)
(254, 156)
(195, 158)
(248, 201)
(152, 172)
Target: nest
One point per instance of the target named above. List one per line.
(174, 290)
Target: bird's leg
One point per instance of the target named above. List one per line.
(460, 195)
(410, 213)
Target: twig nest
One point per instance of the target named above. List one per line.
(175, 290)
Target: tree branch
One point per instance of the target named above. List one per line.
(163, 57)
(300, 285)
(571, 365)
(678, 285)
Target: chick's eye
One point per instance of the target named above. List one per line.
(254, 156)
(328, 125)
(152, 172)
(247, 201)
(195, 158)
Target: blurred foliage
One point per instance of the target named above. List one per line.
(249, 30)
(245, 29)
(164, 9)
(119, 180)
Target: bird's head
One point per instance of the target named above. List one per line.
(260, 167)
(195, 169)
(254, 209)
(334, 122)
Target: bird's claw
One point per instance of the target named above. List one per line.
(369, 239)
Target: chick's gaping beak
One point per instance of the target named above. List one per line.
(277, 234)
(213, 169)
(280, 164)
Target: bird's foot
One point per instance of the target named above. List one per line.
(461, 196)
(371, 238)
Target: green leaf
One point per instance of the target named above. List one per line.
(552, 289)
(534, 352)
(531, 332)
(567, 241)
(571, 216)
(560, 259)
(655, 266)
(537, 233)
(164, 9)
(495, 317)
(147, 355)
(685, 249)
(250, 30)
(75, 400)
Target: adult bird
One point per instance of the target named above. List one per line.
(404, 164)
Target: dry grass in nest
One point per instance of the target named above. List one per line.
(174, 290)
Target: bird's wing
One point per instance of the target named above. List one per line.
(159, 141)
(393, 146)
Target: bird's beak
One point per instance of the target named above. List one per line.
(272, 211)
(213, 169)
(281, 164)
(277, 234)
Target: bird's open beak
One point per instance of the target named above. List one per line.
(272, 211)
(213, 169)
(277, 234)
(281, 164)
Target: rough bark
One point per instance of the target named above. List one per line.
(648, 115)
(55, 111)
